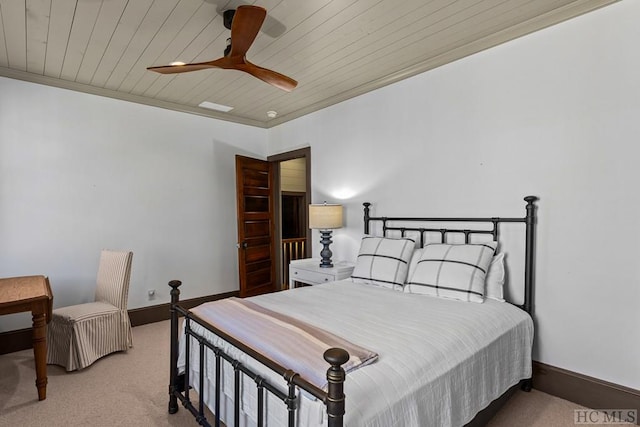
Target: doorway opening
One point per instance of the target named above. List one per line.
(292, 172)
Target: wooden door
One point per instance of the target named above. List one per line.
(256, 239)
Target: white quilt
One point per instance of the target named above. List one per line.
(440, 361)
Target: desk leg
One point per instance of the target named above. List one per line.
(40, 353)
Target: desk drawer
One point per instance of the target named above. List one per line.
(311, 276)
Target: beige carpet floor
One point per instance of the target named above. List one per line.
(131, 389)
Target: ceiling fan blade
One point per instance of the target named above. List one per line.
(173, 69)
(269, 76)
(244, 28)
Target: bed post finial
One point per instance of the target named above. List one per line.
(336, 357)
(366, 217)
(173, 369)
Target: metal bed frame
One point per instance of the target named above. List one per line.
(333, 397)
(529, 220)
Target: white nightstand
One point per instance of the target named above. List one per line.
(309, 271)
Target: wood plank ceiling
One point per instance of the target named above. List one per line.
(336, 49)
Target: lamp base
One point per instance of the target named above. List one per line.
(325, 262)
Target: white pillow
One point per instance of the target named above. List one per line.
(383, 261)
(452, 271)
(494, 282)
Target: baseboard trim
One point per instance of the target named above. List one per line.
(584, 390)
(12, 341)
(157, 313)
(18, 340)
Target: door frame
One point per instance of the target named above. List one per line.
(275, 161)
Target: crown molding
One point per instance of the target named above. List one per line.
(123, 96)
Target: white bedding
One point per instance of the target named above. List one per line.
(440, 361)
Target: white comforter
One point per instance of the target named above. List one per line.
(440, 361)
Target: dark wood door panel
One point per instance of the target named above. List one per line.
(256, 228)
(256, 178)
(256, 240)
(259, 265)
(256, 204)
(259, 278)
(257, 253)
(256, 191)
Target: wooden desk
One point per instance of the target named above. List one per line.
(31, 293)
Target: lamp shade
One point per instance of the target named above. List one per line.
(325, 217)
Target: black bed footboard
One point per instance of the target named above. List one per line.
(333, 398)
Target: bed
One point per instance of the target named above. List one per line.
(446, 348)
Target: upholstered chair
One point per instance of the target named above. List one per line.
(78, 335)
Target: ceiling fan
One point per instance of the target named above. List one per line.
(244, 23)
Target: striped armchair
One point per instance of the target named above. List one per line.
(79, 335)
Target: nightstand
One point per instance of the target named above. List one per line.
(309, 271)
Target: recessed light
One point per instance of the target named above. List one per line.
(177, 63)
(272, 114)
(214, 106)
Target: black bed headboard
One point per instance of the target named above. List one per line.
(403, 225)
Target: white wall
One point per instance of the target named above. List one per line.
(555, 114)
(79, 173)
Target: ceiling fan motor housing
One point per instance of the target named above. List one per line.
(227, 18)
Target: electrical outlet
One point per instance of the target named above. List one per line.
(151, 293)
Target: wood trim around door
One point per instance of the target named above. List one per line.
(275, 160)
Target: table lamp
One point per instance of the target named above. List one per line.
(325, 218)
